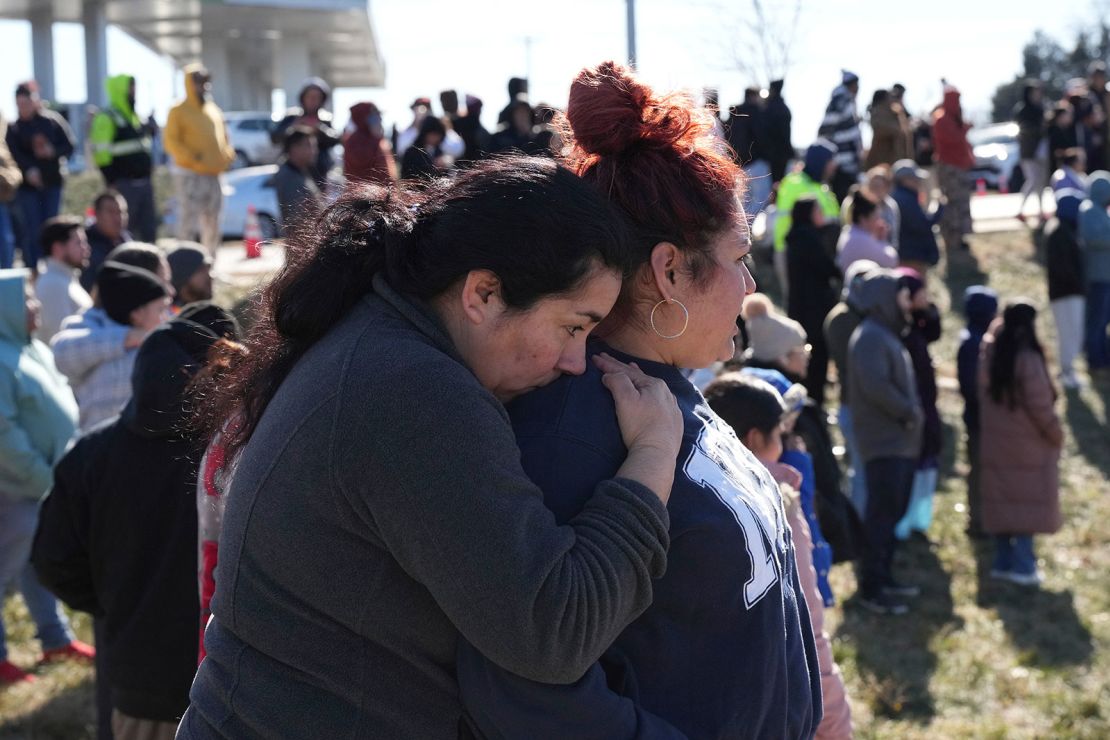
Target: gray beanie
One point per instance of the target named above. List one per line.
(770, 333)
(185, 259)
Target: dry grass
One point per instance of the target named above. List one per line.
(975, 658)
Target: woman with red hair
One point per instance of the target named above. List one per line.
(726, 648)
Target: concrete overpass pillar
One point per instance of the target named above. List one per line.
(294, 65)
(214, 56)
(42, 50)
(96, 50)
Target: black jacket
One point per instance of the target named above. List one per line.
(746, 131)
(117, 534)
(1064, 260)
(812, 275)
(99, 247)
(779, 147)
(1031, 127)
(21, 139)
(925, 330)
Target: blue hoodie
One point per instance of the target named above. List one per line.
(38, 416)
(980, 308)
(1094, 229)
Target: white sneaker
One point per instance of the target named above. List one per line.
(1070, 381)
(1027, 579)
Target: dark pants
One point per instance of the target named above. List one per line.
(974, 503)
(1098, 317)
(7, 238)
(889, 483)
(35, 207)
(141, 213)
(817, 376)
(103, 687)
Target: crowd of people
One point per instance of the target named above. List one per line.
(581, 469)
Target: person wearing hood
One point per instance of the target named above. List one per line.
(366, 154)
(121, 146)
(519, 132)
(810, 178)
(38, 418)
(779, 146)
(1066, 283)
(518, 90)
(980, 308)
(887, 424)
(197, 139)
(813, 274)
(96, 349)
(866, 236)
(1094, 236)
(917, 244)
(1021, 443)
(138, 474)
(839, 326)
(310, 113)
(1033, 146)
(892, 136)
(924, 329)
(954, 160)
(841, 126)
(40, 140)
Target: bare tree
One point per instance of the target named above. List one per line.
(760, 37)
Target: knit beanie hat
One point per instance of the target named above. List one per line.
(185, 259)
(770, 334)
(124, 288)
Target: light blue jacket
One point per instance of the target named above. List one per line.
(1094, 229)
(38, 416)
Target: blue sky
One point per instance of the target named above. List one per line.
(477, 45)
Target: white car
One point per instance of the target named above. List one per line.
(997, 156)
(250, 136)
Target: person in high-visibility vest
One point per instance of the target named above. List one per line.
(121, 148)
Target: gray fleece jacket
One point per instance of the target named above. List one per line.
(886, 413)
(378, 512)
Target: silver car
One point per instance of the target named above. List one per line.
(250, 135)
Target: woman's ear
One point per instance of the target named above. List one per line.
(754, 440)
(480, 299)
(665, 262)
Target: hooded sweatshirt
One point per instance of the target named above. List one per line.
(196, 135)
(886, 413)
(841, 323)
(117, 534)
(950, 134)
(366, 155)
(806, 182)
(980, 307)
(121, 148)
(38, 416)
(1094, 229)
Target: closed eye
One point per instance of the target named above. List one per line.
(573, 330)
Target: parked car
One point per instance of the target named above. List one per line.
(249, 186)
(250, 135)
(997, 156)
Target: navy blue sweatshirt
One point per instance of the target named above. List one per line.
(726, 649)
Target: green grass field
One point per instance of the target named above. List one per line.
(975, 659)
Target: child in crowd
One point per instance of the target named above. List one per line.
(757, 413)
(1066, 284)
(866, 237)
(38, 418)
(1094, 237)
(980, 307)
(924, 329)
(887, 422)
(1020, 444)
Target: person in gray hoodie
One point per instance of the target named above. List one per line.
(887, 424)
(379, 512)
(1094, 238)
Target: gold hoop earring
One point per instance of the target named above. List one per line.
(685, 320)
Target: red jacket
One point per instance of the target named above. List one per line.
(366, 157)
(950, 134)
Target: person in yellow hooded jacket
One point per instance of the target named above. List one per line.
(121, 147)
(197, 139)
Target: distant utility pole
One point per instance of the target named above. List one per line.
(631, 32)
(528, 57)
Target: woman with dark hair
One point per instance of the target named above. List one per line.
(892, 137)
(813, 275)
(425, 157)
(731, 597)
(1020, 444)
(378, 509)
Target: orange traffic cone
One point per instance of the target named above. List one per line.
(980, 186)
(90, 215)
(252, 235)
(1003, 184)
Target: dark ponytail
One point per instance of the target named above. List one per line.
(534, 224)
(1018, 333)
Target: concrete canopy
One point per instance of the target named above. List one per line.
(250, 46)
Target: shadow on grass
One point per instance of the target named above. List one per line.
(1088, 431)
(962, 271)
(69, 715)
(951, 436)
(1043, 625)
(893, 653)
